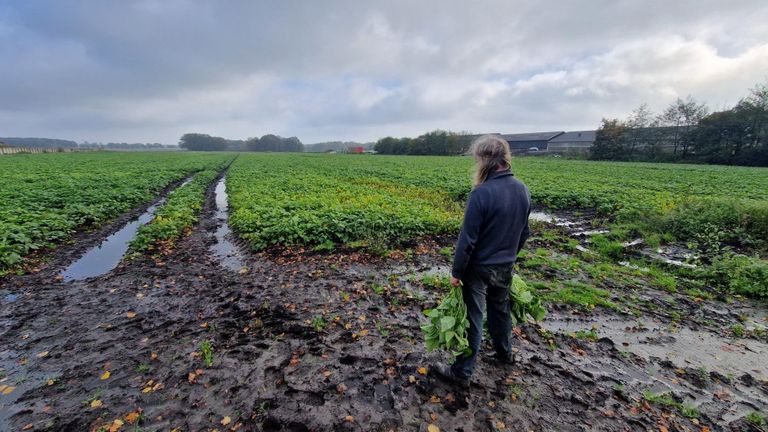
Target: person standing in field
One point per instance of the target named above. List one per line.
(495, 228)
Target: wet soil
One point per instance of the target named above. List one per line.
(304, 341)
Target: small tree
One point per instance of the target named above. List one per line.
(608, 142)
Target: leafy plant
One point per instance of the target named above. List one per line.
(207, 350)
(523, 302)
(448, 324)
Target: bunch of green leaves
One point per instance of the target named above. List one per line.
(523, 302)
(448, 324)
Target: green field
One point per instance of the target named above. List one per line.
(47, 197)
(319, 199)
(327, 200)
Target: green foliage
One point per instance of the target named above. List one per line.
(739, 274)
(448, 324)
(737, 330)
(579, 294)
(668, 400)
(319, 323)
(523, 302)
(47, 197)
(207, 351)
(756, 419)
(178, 213)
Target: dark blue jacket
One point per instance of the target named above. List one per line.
(495, 223)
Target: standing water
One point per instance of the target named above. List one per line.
(224, 250)
(108, 254)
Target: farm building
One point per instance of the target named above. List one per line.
(537, 141)
(575, 141)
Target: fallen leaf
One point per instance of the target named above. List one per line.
(226, 420)
(327, 373)
(116, 425)
(433, 428)
(130, 314)
(422, 370)
(51, 382)
(411, 379)
(133, 417)
(434, 399)
(96, 403)
(105, 375)
(191, 377)
(349, 418)
(153, 356)
(8, 390)
(42, 354)
(433, 416)
(722, 394)
(341, 388)
(500, 425)
(663, 429)
(28, 426)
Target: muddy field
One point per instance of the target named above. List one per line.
(210, 337)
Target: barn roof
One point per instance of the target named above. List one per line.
(576, 136)
(534, 136)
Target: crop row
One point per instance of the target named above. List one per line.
(319, 199)
(178, 214)
(46, 197)
(278, 199)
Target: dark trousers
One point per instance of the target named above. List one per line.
(485, 287)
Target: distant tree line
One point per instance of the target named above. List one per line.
(437, 142)
(338, 146)
(39, 142)
(687, 132)
(127, 146)
(267, 143)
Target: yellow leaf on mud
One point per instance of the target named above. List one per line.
(130, 314)
(105, 375)
(327, 373)
(411, 379)
(349, 418)
(51, 382)
(133, 417)
(7, 389)
(434, 399)
(362, 318)
(500, 425)
(364, 332)
(96, 403)
(226, 420)
(433, 428)
(116, 425)
(153, 356)
(663, 429)
(146, 389)
(140, 295)
(42, 354)
(422, 370)
(28, 426)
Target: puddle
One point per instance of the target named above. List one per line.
(108, 254)
(10, 298)
(225, 251)
(684, 347)
(541, 216)
(672, 255)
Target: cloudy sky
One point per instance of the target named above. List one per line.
(151, 70)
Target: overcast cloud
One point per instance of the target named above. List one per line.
(149, 71)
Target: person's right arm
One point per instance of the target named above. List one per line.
(470, 230)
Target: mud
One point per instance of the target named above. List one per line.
(305, 341)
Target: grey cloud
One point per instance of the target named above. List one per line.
(150, 70)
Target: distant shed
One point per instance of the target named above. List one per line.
(524, 142)
(572, 142)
